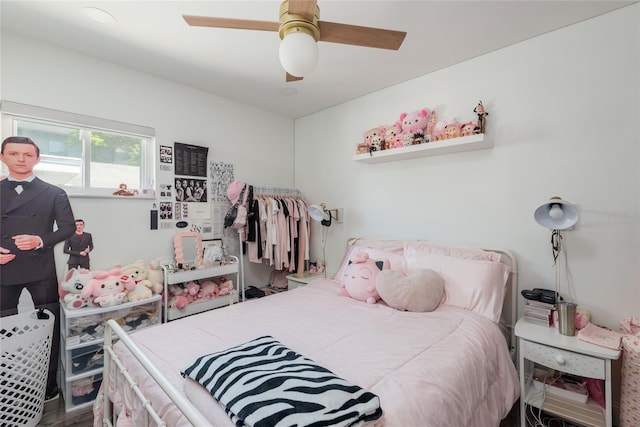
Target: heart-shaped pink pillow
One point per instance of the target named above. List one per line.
(419, 291)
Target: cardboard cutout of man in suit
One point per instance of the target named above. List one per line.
(35, 216)
(78, 247)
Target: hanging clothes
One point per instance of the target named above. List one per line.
(277, 231)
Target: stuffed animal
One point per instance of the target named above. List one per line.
(452, 129)
(439, 131)
(431, 126)
(208, 289)
(359, 280)
(70, 289)
(414, 124)
(108, 290)
(225, 287)
(143, 288)
(374, 138)
(390, 133)
(177, 296)
(467, 129)
(193, 289)
(156, 276)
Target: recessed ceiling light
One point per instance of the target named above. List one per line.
(289, 91)
(99, 15)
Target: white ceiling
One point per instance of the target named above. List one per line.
(152, 37)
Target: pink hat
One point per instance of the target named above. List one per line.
(233, 191)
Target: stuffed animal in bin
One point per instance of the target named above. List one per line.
(359, 279)
(193, 289)
(156, 276)
(108, 289)
(70, 289)
(177, 297)
(208, 289)
(225, 286)
(143, 288)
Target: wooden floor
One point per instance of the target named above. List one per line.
(513, 419)
(54, 415)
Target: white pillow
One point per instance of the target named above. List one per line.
(475, 285)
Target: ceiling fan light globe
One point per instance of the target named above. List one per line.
(298, 54)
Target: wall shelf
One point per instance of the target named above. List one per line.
(464, 143)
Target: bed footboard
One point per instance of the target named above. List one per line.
(113, 363)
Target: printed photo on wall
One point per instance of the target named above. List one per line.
(166, 154)
(166, 191)
(191, 190)
(221, 175)
(166, 210)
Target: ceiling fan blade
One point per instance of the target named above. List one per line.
(360, 36)
(304, 8)
(240, 24)
(291, 78)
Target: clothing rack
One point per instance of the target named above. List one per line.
(276, 191)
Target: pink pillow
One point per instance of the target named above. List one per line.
(396, 260)
(454, 251)
(475, 285)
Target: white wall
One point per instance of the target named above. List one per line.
(47, 76)
(564, 114)
(564, 118)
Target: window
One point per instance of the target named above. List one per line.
(85, 155)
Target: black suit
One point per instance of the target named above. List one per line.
(34, 211)
(76, 244)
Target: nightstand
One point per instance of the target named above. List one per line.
(300, 279)
(547, 348)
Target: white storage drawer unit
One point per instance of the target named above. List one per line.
(81, 337)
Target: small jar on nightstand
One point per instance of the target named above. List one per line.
(545, 348)
(300, 279)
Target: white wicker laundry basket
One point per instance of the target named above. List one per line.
(24, 364)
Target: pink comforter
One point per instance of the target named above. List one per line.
(449, 367)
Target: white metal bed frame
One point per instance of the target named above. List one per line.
(113, 331)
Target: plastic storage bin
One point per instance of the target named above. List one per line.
(82, 335)
(24, 365)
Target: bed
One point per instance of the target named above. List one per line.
(452, 366)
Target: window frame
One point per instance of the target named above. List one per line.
(13, 111)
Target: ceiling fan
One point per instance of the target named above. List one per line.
(300, 29)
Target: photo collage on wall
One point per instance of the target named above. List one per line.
(190, 187)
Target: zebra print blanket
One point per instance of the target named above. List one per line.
(262, 383)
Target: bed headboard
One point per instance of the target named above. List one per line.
(510, 307)
(509, 315)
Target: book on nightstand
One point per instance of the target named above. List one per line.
(539, 313)
(600, 336)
